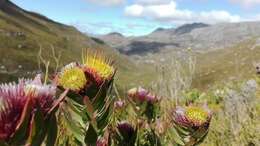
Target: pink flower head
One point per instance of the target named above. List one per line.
(12, 103)
(13, 99)
(42, 94)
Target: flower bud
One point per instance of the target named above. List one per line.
(142, 94)
(119, 104)
(126, 130)
(151, 98)
(138, 94)
(132, 92)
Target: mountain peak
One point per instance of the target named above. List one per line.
(115, 34)
(186, 28)
(159, 29)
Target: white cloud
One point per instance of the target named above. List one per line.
(170, 13)
(134, 10)
(107, 2)
(246, 3)
(256, 17)
(101, 28)
(152, 2)
(218, 16)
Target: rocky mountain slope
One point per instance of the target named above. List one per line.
(223, 51)
(198, 36)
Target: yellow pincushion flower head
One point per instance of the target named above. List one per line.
(72, 77)
(197, 115)
(191, 116)
(191, 123)
(98, 67)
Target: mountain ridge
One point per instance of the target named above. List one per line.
(199, 36)
(223, 52)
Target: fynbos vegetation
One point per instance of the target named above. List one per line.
(77, 106)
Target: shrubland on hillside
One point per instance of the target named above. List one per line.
(24, 33)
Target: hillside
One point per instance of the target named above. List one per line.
(23, 33)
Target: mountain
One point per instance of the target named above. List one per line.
(116, 34)
(186, 28)
(114, 39)
(23, 33)
(199, 36)
(189, 27)
(224, 51)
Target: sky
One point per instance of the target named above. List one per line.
(141, 17)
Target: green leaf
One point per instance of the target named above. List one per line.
(74, 126)
(200, 134)
(91, 135)
(182, 130)
(52, 131)
(75, 96)
(39, 129)
(99, 100)
(101, 96)
(103, 117)
(176, 137)
(78, 109)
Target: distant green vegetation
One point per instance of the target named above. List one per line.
(223, 65)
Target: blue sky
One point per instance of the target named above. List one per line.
(140, 17)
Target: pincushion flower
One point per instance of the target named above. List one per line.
(98, 67)
(72, 77)
(16, 100)
(13, 101)
(192, 116)
(42, 95)
(193, 122)
(197, 116)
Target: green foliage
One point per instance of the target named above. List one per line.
(89, 116)
(192, 96)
